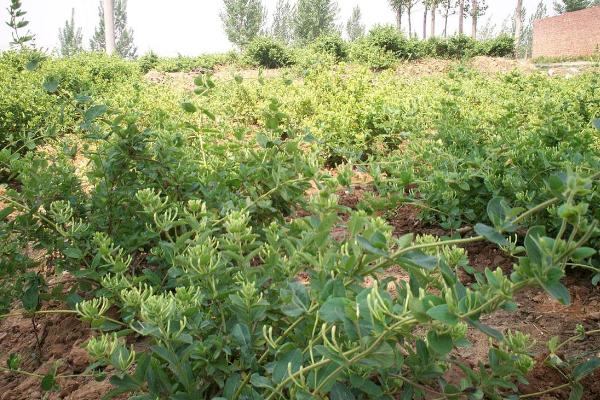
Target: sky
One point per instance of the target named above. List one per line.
(193, 27)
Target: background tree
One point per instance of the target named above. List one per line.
(488, 29)
(243, 20)
(518, 22)
(461, 17)
(282, 21)
(354, 28)
(476, 9)
(527, 41)
(70, 38)
(409, 4)
(474, 18)
(16, 22)
(433, 5)
(125, 46)
(425, 11)
(565, 6)
(398, 7)
(314, 18)
(448, 9)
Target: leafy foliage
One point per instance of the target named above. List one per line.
(70, 38)
(205, 225)
(243, 20)
(314, 18)
(282, 28)
(17, 22)
(268, 53)
(354, 27)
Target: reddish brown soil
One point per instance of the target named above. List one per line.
(538, 314)
(62, 337)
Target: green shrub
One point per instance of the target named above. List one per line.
(384, 46)
(501, 46)
(268, 52)
(374, 57)
(460, 46)
(388, 39)
(148, 62)
(306, 58)
(190, 64)
(332, 45)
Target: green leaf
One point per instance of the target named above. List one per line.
(582, 253)
(341, 392)
(188, 107)
(33, 64)
(335, 309)
(576, 391)
(73, 252)
(13, 362)
(259, 381)
(165, 354)
(558, 291)
(231, 385)
(383, 357)
(366, 386)
(369, 247)
(50, 84)
(443, 314)
(31, 298)
(496, 210)
(241, 334)
(440, 343)
(534, 251)
(6, 212)
(557, 184)
(419, 259)
(491, 234)
(586, 368)
(209, 114)
(280, 370)
(491, 332)
(94, 112)
(48, 382)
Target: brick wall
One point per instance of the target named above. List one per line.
(571, 34)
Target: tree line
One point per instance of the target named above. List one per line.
(303, 21)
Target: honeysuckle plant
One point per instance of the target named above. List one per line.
(231, 317)
(203, 280)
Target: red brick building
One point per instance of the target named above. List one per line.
(569, 35)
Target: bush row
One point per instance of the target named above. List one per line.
(381, 48)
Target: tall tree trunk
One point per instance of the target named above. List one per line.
(475, 15)
(461, 17)
(518, 26)
(446, 13)
(399, 18)
(433, 12)
(425, 22)
(409, 10)
(109, 27)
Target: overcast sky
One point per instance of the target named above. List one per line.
(191, 27)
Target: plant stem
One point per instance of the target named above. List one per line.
(34, 375)
(23, 313)
(526, 396)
